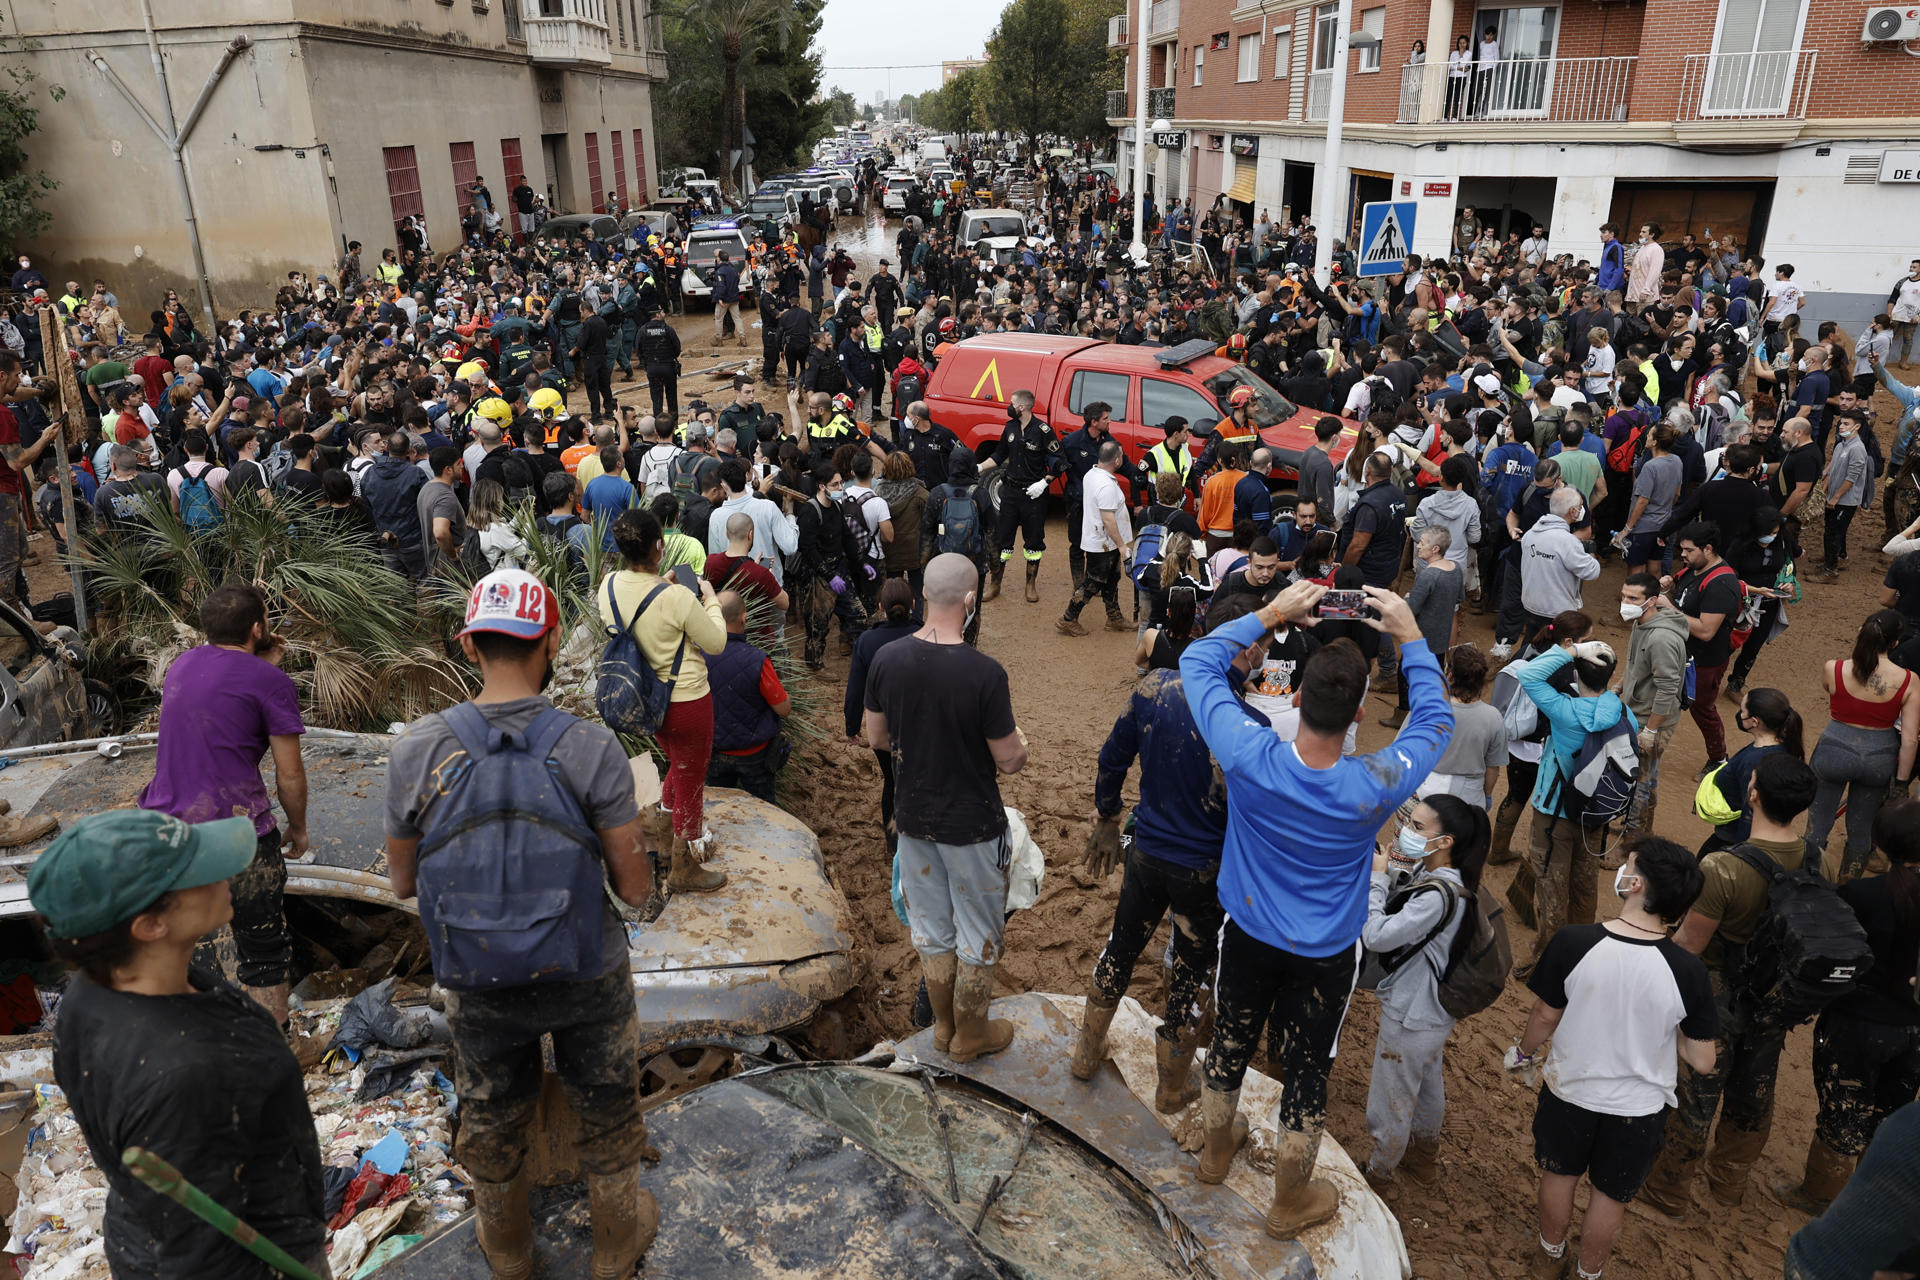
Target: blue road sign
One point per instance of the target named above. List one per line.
(1386, 237)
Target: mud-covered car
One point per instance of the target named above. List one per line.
(44, 697)
(714, 975)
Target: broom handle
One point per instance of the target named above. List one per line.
(161, 1177)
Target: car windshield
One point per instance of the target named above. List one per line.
(1269, 406)
(705, 251)
(774, 203)
(897, 183)
(1003, 225)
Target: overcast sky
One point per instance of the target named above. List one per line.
(871, 33)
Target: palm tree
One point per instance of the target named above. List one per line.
(738, 31)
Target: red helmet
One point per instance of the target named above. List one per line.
(948, 325)
(843, 403)
(1238, 342)
(1240, 396)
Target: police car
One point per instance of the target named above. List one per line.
(704, 246)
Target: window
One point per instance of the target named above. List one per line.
(465, 170)
(1199, 64)
(512, 168)
(640, 166)
(620, 20)
(403, 182)
(515, 31)
(598, 193)
(1160, 400)
(1249, 58)
(1282, 55)
(619, 167)
(1374, 23)
(1089, 386)
(1326, 25)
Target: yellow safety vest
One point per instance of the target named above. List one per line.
(1179, 461)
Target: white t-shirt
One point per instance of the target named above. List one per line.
(1100, 491)
(1906, 302)
(1783, 300)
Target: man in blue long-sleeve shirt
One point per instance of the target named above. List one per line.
(1173, 864)
(1301, 825)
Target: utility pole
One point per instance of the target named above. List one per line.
(1330, 185)
(1139, 246)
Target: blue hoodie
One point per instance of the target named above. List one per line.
(1570, 720)
(1299, 850)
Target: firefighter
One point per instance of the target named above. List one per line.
(1030, 452)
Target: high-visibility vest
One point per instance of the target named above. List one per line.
(1179, 461)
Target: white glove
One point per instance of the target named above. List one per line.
(1037, 488)
(1526, 1069)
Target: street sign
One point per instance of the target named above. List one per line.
(1386, 237)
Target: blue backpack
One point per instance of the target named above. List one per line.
(510, 870)
(199, 509)
(960, 525)
(1146, 552)
(629, 695)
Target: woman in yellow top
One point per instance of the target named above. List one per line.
(678, 625)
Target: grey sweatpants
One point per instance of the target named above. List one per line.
(956, 897)
(1408, 1093)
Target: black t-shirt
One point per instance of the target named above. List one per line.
(1712, 592)
(943, 704)
(1883, 994)
(248, 480)
(1799, 466)
(303, 484)
(206, 1081)
(1903, 576)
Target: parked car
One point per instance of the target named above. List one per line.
(665, 222)
(704, 246)
(973, 380)
(44, 697)
(570, 226)
(994, 231)
(894, 197)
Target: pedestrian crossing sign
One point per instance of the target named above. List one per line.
(1386, 237)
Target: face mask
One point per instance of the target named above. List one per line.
(1413, 845)
(1767, 540)
(1630, 612)
(1620, 879)
(973, 611)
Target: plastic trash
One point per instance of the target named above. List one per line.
(387, 1250)
(389, 1155)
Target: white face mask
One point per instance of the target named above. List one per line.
(1620, 879)
(1631, 612)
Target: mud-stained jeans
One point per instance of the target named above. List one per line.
(260, 938)
(596, 1046)
(13, 547)
(1153, 886)
(956, 897)
(1745, 1062)
(1299, 1001)
(1407, 1096)
(1566, 859)
(1864, 1071)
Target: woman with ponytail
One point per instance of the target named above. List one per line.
(1867, 746)
(1866, 1045)
(1423, 891)
(1775, 726)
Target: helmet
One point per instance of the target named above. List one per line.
(470, 370)
(494, 409)
(843, 403)
(1240, 396)
(547, 403)
(1238, 342)
(948, 325)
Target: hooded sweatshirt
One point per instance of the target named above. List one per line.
(1553, 564)
(1570, 719)
(1657, 666)
(963, 474)
(1454, 510)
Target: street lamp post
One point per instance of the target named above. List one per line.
(1139, 246)
(1328, 185)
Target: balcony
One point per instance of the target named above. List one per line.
(1160, 104)
(1319, 93)
(1117, 31)
(1163, 21)
(1745, 97)
(1553, 90)
(1117, 104)
(567, 33)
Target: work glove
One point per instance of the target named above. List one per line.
(1102, 856)
(1525, 1069)
(1037, 488)
(837, 584)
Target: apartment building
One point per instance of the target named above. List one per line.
(1773, 121)
(315, 122)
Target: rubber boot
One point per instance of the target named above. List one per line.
(1091, 1050)
(1177, 1085)
(16, 830)
(1033, 578)
(686, 875)
(625, 1220)
(1422, 1161)
(1300, 1200)
(1544, 1266)
(1734, 1152)
(1827, 1173)
(1669, 1188)
(1501, 851)
(273, 1000)
(1226, 1131)
(939, 973)
(504, 1227)
(656, 824)
(975, 1034)
(994, 577)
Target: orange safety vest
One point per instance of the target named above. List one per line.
(1232, 433)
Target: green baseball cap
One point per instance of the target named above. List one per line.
(109, 867)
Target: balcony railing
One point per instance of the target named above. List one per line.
(1747, 86)
(1117, 104)
(1163, 20)
(1565, 90)
(1319, 93)
(567, 31)
(1117, 31)
(1160, 104)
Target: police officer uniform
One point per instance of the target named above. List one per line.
(1030, 453)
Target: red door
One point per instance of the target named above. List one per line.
(597, 192)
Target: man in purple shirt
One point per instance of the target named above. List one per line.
(222, 707)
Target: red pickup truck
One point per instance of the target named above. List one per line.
(970, 387)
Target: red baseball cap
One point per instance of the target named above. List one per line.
(512, 602)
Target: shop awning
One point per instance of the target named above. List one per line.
(1242, 188)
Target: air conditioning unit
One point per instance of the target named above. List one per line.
(1892, 24)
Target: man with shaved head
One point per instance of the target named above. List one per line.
(943, 709)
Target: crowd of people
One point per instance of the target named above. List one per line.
(1490, 427)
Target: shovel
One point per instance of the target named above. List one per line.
(161, 1177)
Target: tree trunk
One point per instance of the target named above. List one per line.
(733, 111)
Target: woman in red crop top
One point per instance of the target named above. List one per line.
(1868, 745)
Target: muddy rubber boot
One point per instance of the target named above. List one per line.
(1091, 1050)
(686, 875)
(273, 1000)
(1827, 1173)
(1300, 1200)
(939, 973)
(656, 824)
(1033, 579)
(1669, 1188)
(974, 1033)
(16, 830)
(1501, 851)
(1176, 1085)
(1734, 1152)
(1544, 1266)
(625, 1220)
(1422, 1161)
(1226, 1131)
(994, 577)
(504, 1227)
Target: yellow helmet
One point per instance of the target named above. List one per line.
(469, 371)
(546, 402)
(494, 409)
